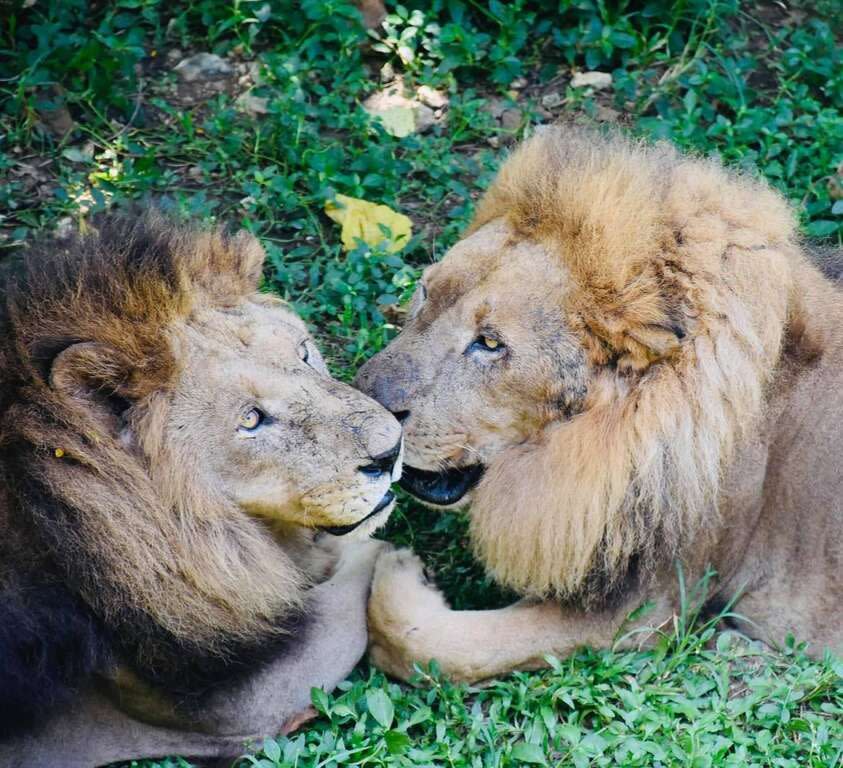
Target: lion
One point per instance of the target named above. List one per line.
(176, 466)
(628, 362)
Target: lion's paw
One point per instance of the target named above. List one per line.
(403, 608)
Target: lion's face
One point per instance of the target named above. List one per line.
(254, 417)
(485, 361)
(582, 364)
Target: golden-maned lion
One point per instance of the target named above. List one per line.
(628, 360)
(171, 445)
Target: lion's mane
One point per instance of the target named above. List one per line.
(103, 548)
(681, 273)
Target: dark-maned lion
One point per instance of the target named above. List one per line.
(628, 360)
(170, 445)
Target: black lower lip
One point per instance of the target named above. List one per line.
(441, 488)
(341, 530)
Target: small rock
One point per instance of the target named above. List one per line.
(252, 105)
(596, 80)
(493, 141)
(511, 119)
(552, 100)
(203, 66)
(195, 172)
(432, 98)
(519, 83)
(174, 55)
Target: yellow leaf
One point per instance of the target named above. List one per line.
(398, 121)
(362, 220)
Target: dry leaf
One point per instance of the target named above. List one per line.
(362, 220)
(398, 121)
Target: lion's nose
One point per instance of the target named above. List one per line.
(383, 462)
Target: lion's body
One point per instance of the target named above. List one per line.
(661, 384)
(169, 442)
(782, 544)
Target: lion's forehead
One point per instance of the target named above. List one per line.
(497, 271)
(255, 325)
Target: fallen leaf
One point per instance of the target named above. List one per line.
(592, 79)
(399, 115)
(398, 121)
(362, 220)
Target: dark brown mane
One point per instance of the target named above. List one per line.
(121, 285)
(92, 561)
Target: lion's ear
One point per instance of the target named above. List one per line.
(227, 267)
(251, 256)
(96, 375)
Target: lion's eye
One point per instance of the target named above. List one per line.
(310, 356)
(251, 420)
(486, 343)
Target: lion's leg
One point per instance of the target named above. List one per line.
(96, 732)
(409, 621)
(334, 641)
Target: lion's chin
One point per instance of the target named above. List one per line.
(370, 522)
(441, 489)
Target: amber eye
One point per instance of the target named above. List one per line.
(486, 343)
(251, 420)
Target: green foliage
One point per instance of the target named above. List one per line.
(759, 85)
(732, 706)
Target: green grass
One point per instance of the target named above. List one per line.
(759, 85)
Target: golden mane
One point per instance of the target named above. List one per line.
(681, 272)
(176, 572)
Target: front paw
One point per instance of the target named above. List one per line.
(403, 612)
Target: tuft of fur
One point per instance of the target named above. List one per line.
(681, 272)
(190, 589)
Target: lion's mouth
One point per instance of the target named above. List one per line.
(441, 488)
(341, 530)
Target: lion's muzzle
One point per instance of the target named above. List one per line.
(341, 530)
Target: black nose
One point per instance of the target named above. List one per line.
(402, 416)
(383, 462)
